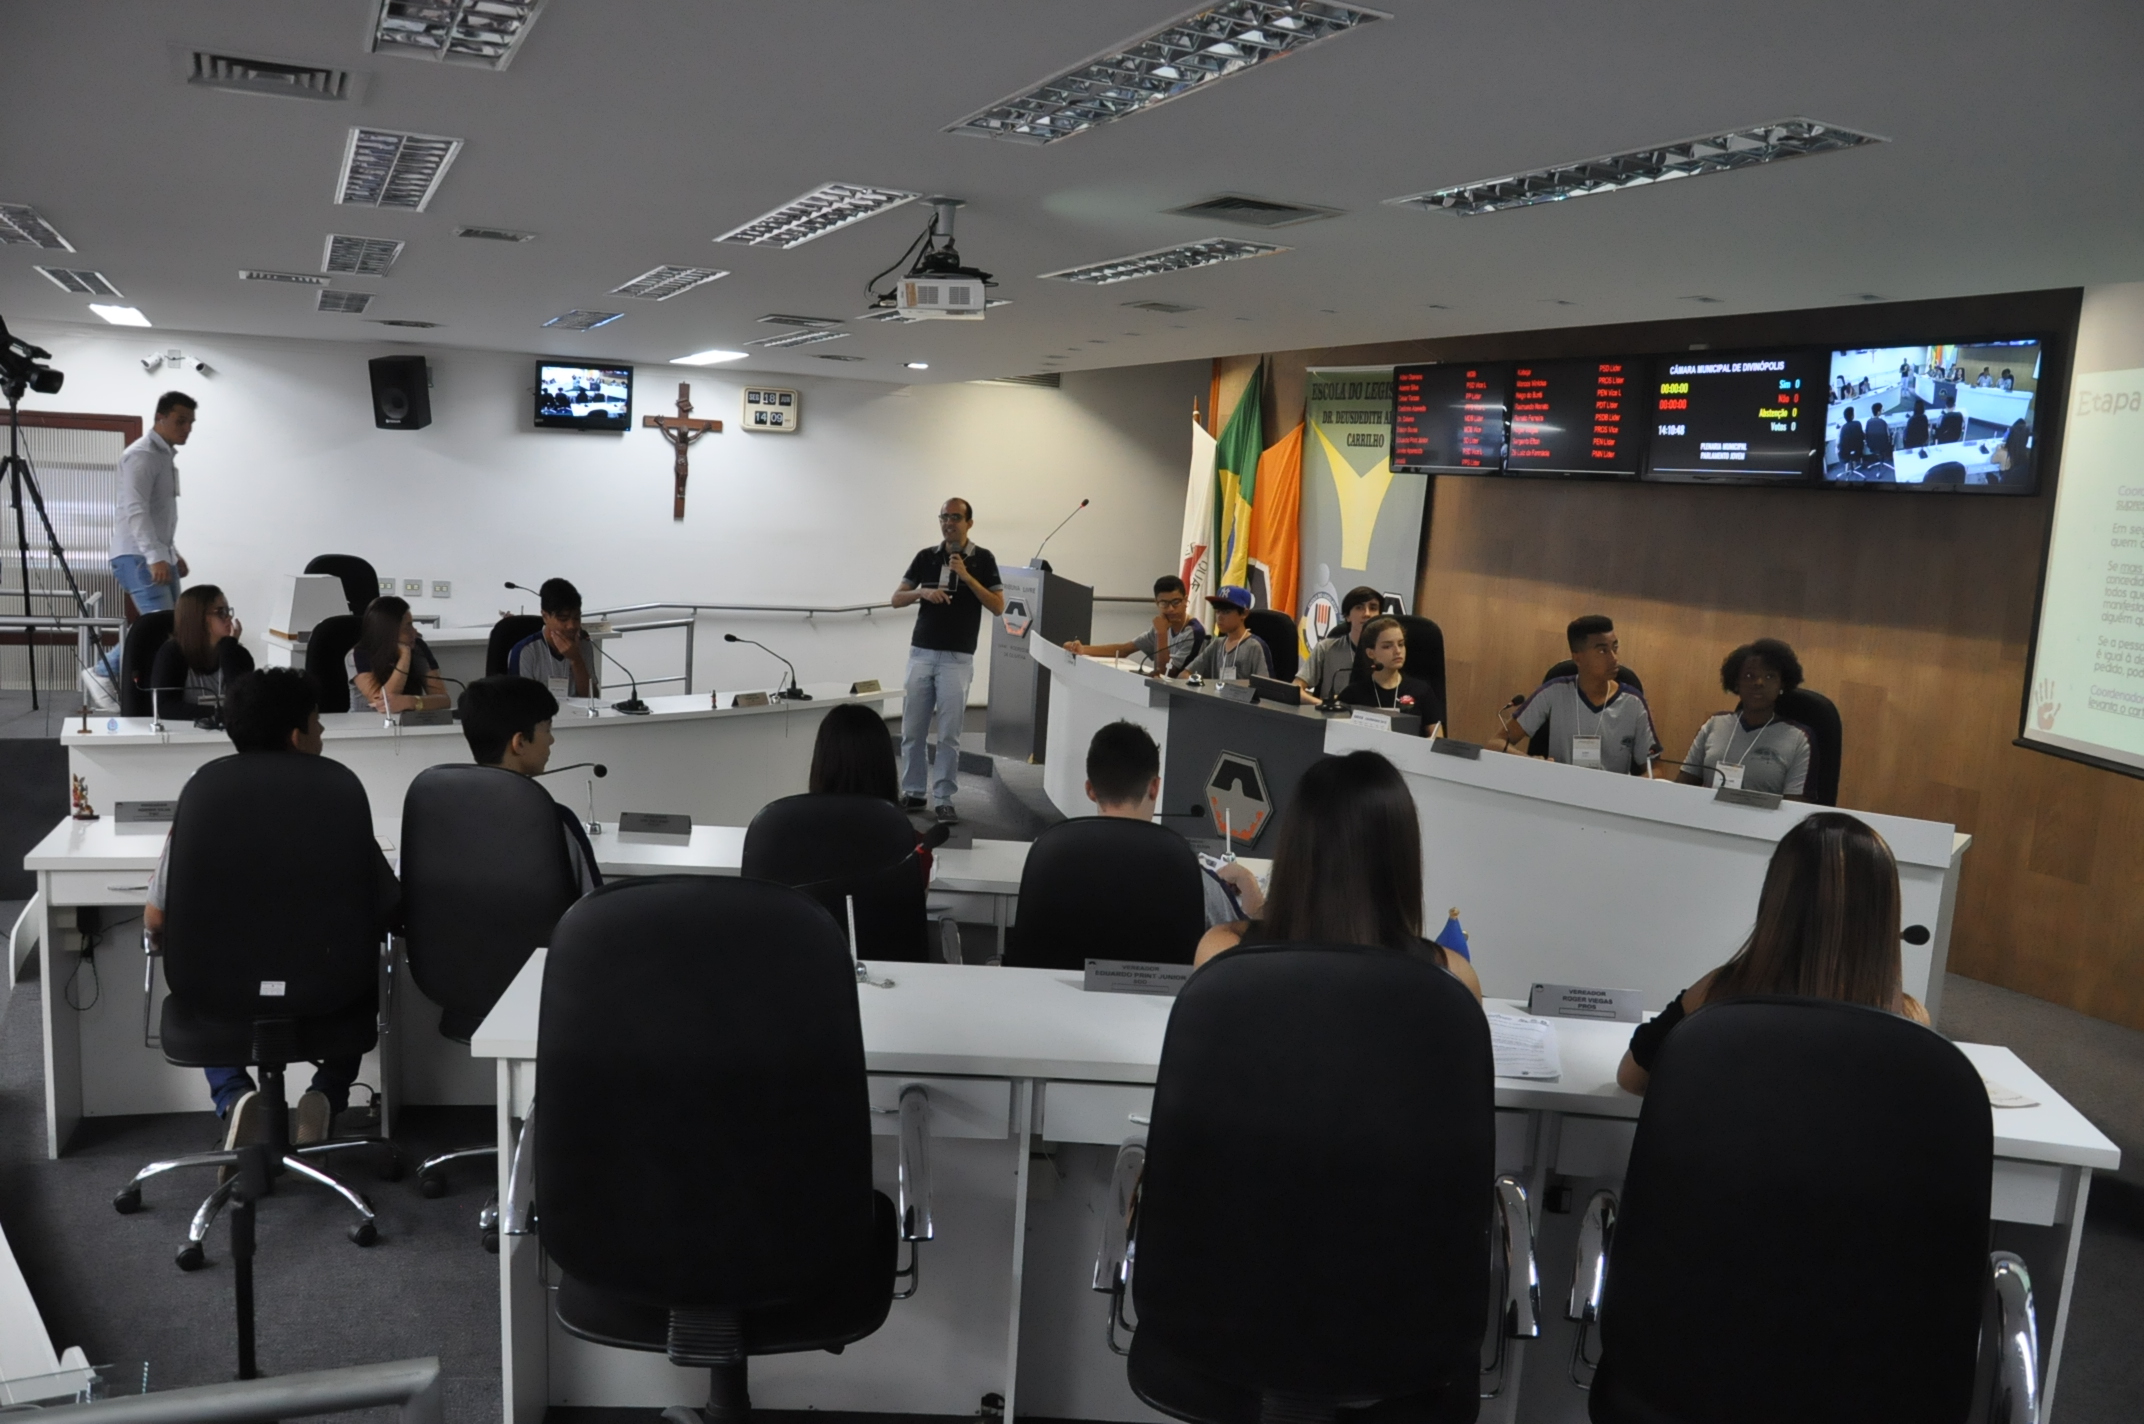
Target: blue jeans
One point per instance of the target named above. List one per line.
(934, 697)
(132, 571)
(331, 1079)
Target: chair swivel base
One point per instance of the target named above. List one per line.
(191, 1256)
(432, 1181)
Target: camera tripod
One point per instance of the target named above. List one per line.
(15, 470)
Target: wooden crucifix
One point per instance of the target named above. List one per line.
(681, 430)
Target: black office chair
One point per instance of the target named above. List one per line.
(279, 901)
(1949, 472)
(1310, 1234)
(718, 1017)
(1818, 716)
(504, 635)
(1569, 668)
(1425, 655)
(1803, 1232)
(485, 877)
(841, 849)
(332, 640)
(360, 585)
(1277, 631)
(1951, 428)
(137, 655)
(1107, 888)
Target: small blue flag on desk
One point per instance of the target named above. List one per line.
(1453, 937)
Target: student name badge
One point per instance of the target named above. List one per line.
(561, 687)
(1228, 672)
(1586, 751)
(1731, 776)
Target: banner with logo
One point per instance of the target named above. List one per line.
(1361, 523)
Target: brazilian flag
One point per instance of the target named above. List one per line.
(1235, 474)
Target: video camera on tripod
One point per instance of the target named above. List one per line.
(24, 368)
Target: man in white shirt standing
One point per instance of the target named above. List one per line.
(145, 524)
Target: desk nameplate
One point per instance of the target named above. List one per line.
(655, 827)
(1576, 1001)
(1130, 976)
(1453, 747)
(426, 717)
(1755, 800)
(143, 816)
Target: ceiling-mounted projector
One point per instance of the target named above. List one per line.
(937, 287)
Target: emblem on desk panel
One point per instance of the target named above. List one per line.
(1236, 794)
(1016, 618)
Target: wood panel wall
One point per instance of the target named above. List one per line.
(1913, 613)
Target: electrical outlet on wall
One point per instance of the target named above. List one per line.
(413, 588)
(442, 588)
(387, 586)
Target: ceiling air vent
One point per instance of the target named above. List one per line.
(81, 283)
(1050, 379)
(404, 321)
(1254, 212)
(811, 323)
(1165, 308)
(796, 338)
(22, 225)
(833, 356)
(266, 76)
(295, 279)
(347, 256)
(354, 303)
(891, 316)
(578, 320)
(495, 234)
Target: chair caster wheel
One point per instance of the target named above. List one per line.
(127, 1200)
(391, 1168)
(364, 1233)
(491, 1241)
(432, 1184)
(191, 1257)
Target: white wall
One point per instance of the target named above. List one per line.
(285, 463)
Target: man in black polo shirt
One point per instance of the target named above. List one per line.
(953, 581)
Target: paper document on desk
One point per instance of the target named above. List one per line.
(2002, 1097)
(1524, 1046)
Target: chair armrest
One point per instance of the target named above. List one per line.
(1589, 1269)
(1522, 1283)
(2014, 1391)
(914, 1187)
(517, 1214)
(151, 951)
(1113, 1262)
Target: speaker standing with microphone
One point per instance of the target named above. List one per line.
(950, 584)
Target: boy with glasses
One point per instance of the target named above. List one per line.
(1173, 626)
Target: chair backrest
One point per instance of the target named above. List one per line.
(360, 584)
(137, 657)
(1951, 428)
(1425, 652)
(1949, 472)
(504, 634)
(1568, 668)
(332, 640)
(834, 847)
(705, 1134)
(485, 877)
(1809, 1184)
(1277, 631)
(275, 880)
(1107, 888)
(1819, 717)
(1319, 1174)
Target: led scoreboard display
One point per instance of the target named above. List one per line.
(1737, 418)
(1449, 419)
(1577, 418)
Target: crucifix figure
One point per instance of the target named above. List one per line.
(681, 430)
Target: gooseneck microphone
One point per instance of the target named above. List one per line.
(794, 693)
(632, 706)
(595, 766)
(1036, 562)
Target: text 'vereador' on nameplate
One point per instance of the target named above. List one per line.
(658, 827)
(1134, 976)
(1577, 1001)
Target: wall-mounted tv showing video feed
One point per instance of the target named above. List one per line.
(1744, 418)
(1955, 416)
(577, 396)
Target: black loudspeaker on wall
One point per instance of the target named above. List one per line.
(401, 393)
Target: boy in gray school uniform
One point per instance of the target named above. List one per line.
(1593, 720)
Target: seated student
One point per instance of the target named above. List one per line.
(1172, 622)
(2009, 380)
(1876, 434)
(387, 639)
(2014, 455)
(272, 710)
(1337, 658)
(559, 655)
(1347, 868)
(202, 657)
(1234, 652)
(1916, 434)
(1599, 722)
(1124, 781)
(1384, 683)
(507, 722)
(853, 756)
(1983, 379)
(1851, 444)
(1752, 747)
(1827, 928)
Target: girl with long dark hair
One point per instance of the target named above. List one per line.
(391, 670)
(203, 656)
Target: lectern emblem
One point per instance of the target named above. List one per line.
(1236, 794)
(1016, 618)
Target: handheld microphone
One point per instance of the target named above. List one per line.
(595, 766)
(1037, 562)
(795, 693)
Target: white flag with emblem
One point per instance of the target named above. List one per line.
(1195, 558)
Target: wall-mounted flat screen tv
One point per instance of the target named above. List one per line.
(1583, 418)
(572, 395)
(1947, 416)
(1450, 419)
(1740, 418)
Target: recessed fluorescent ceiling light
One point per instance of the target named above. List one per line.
(353, 303)
(119, 316)
(484, 33)
(709, 358)
(892, 316)
(797, 338)
(22, 226)
(297, 279)
(1685, 158)
(1167, 259)
(359, 256)
(81, 283)
(917, 365)
(495, 234)
(660, 284)
(578, 320)
(268, 76)
(816, 214)
(1254, 212)
(385, 169)
(1189, 53)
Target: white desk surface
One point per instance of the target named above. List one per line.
(715, 850)
(993, 867)
(973, 1021)
(102, 845)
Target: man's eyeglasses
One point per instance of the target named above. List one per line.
(1165, 604)
(952, 518)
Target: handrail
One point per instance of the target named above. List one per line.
(35, 621)
(411, 1384)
